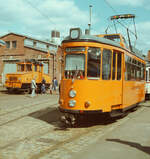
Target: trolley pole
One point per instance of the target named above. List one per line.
(90, 6)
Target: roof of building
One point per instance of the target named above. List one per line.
(29, 37)
(53, 45)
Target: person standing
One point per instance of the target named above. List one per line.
(55, 84)
(33, 87)
(43, 89)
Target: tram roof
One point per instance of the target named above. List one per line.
(93, 38)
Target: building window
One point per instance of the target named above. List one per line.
(34, 44)
(8, 44)
(14, 44)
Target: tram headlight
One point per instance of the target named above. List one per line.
(75, 33)
(72, 103)
(72, 93)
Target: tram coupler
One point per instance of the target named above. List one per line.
(68, 119)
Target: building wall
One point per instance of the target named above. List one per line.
(148, 55)
(22, 52)
(18, 51)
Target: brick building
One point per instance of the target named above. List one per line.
(148, 55)
(20, 47)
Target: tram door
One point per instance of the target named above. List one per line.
(117, 78)
(112, 77)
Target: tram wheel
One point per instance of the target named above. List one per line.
(27, 91)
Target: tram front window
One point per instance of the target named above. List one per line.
(75, 66)
(93, 62)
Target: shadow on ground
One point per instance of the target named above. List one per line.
(138, 146)
(5, 91)
(52, 116)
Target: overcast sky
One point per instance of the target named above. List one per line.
(37, 18)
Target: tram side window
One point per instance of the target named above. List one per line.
(21, 68)
(35, 68)
(149, 75)
(29, 67)
(75, 66)
(93, 62)
(106, 64)
(134, 69)
(114, 66)
(142, 72)
(119, 61)
(128, 67)
(40, 68)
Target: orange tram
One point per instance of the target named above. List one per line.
(100, 74)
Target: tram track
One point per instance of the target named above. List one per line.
(8, 117)
(80, 140)
(80, 137)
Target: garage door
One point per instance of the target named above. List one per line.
(8, 68)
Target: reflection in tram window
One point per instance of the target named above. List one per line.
(106, 64)
(75, 66)
(94, 60)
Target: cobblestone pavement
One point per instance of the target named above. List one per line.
(30, 129)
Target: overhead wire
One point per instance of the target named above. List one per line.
(38, 10)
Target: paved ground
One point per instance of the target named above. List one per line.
(129, 140)
(30, 129)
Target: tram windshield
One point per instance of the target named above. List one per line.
(75, 66)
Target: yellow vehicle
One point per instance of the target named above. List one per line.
(99, 76)
(26, 71)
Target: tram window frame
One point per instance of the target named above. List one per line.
(119, 65)
(96, 54)
(76, 73)
(21, 67)
(106, 67)
(134, 69)
(114, 65)
(28, 67)
(149, 74)
(35, 68)
(142, 72)
(147, 78)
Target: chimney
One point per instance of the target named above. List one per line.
(55, 37)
